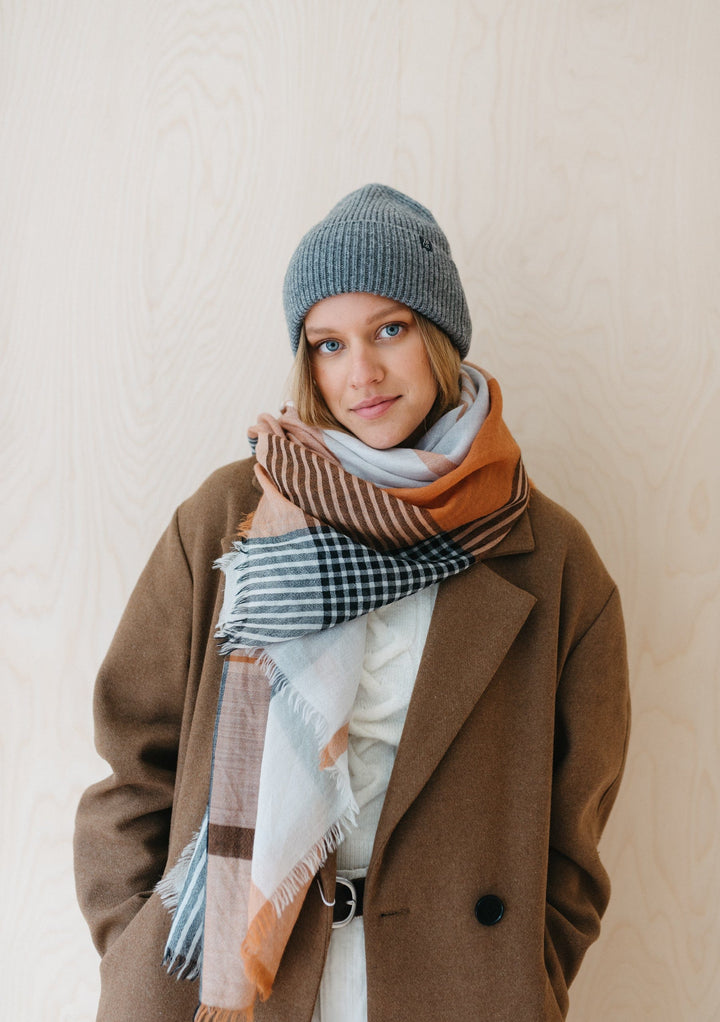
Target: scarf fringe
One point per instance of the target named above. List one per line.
(313, 718)
(276, 678)
(181, 968)
(245, 525)
(170, 887)
(228, 642)
(302, 875)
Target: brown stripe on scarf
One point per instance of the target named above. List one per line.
(487, 532)
(365, 514)
(319, 486)
(231, 842)
(414, 522)
(323, 481)
(361, 521)
(393, 524)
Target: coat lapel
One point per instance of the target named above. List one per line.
(477, 617)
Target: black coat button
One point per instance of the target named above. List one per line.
(489, 910)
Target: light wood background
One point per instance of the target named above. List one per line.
(159, 159)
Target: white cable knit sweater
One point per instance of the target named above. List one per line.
(394, 643)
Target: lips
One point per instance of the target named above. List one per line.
(373, 407)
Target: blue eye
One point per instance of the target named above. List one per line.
(330, 346)
(391, 329)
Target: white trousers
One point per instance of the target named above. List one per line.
(343, 988)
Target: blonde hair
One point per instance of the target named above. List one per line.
(443, 356)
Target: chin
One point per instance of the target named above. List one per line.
(385, 443)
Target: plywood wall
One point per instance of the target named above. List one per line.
(158, 161)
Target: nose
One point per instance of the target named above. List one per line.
(365, 366)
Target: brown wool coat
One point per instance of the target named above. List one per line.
(508, 767)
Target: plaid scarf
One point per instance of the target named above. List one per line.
(324, 547)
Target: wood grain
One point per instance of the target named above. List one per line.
(158, 163)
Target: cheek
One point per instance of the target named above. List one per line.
(325, 384)
(425, 382)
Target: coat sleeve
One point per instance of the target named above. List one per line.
(592, 728)
(122, 825)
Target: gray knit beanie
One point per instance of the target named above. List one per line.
(379, 241)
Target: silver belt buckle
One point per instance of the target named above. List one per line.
(352, 905)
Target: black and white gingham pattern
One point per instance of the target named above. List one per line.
(315, 578)
(356, 579)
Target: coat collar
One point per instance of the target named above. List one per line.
(452, 677)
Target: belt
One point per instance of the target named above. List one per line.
(348, 902)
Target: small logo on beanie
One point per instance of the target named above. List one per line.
(427, 245)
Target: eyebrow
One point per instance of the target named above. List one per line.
(397, 308)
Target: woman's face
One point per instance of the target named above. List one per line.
(369, 363)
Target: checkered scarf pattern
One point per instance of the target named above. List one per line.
(323, 548)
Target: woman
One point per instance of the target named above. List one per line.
(421, 697)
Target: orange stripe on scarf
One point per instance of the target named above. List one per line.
(490, 464)
(207, 1013)
(266, 938)
(335, 747)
